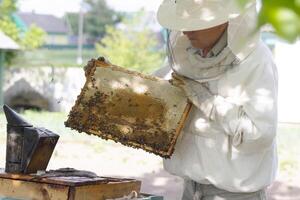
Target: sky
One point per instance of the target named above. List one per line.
(59, 7)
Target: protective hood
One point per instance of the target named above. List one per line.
(242, 34)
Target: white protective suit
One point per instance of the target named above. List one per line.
(229, 137)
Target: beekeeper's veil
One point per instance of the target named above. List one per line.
(191, 15)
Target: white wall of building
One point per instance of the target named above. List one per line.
(287, 58)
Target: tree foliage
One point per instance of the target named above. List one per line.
(7, 7)
(72, 19)
(97, 16)
(131, 46)
(32, 38)
(8, 27)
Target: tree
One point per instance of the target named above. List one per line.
(7, 7)
(96, 18)
(32, 38)
(72, 20)
(131, 47)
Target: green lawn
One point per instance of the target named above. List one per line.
(54, 122)
(52, 57)
(55, 58)
(288, 138)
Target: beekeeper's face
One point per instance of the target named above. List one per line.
(206, 38)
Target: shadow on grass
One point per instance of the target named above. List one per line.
(162, 183)
(282, 191)
(171, 187)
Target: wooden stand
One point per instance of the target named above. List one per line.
(65, 188)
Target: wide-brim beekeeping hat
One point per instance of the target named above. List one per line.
(191, 15)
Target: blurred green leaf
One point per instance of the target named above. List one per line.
(282, 15)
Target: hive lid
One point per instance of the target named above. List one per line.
(65, 180)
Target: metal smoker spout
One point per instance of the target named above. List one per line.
(28, 148)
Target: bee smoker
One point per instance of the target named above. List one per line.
(29, 148)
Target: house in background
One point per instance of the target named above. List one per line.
(57, 29)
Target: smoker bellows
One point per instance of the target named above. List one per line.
(29, 149)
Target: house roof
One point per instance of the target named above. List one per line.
(7, 43)
(49, 23)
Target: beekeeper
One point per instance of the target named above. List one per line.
(227, 149)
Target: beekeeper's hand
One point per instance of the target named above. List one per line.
(88, 68)
(177, 80)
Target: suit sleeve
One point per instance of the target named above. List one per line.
(163, 72)
(252, 124)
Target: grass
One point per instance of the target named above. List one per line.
(288, 140)
(59, 58)
(52, 57)
(54, 121)
(85, 152)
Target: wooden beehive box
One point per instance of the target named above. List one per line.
(131, 108)
(20, 186)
